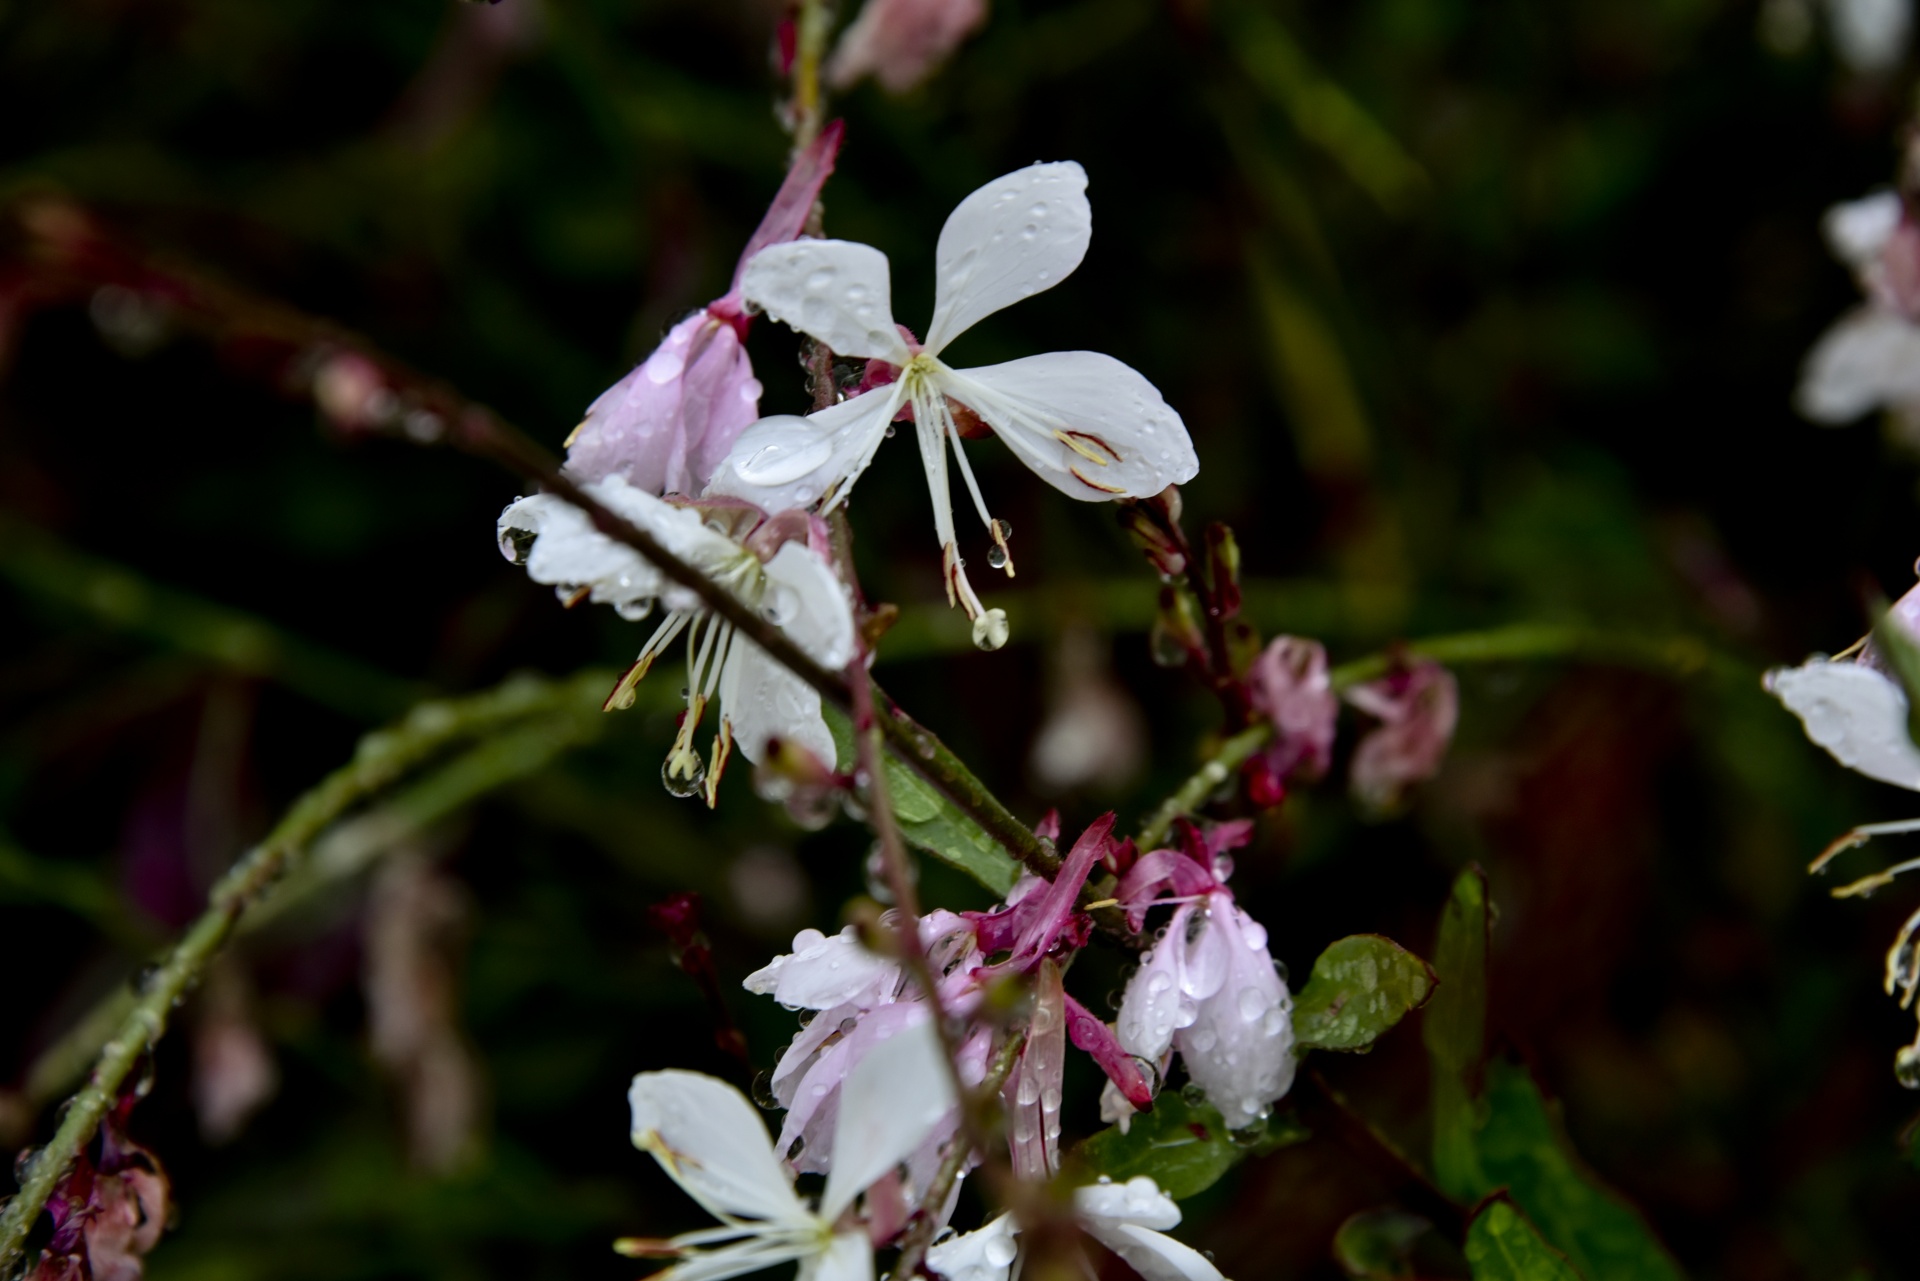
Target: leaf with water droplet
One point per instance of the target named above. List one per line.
(1184, 1145)
(1360, 987)
(1503, 1246)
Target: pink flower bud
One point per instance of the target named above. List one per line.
(1289, 685)
(900, 42)
(1417, 707)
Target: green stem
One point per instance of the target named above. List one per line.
(1676, 655)
(383, 759)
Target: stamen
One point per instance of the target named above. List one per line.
(1868, 884)
(1903, 971)
(722, 750)
(1084, 444)
(1082, 478)
(623, 691)
(574, 435)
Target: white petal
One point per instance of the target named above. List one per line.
(786, 461)
(826, 972)
(891, 1101)
(1858, 229)
(763, 700)
(1155, 1256)
(737, 1260)
(833, 290)
(1153, 1008)
(1240, 1046)
(1856, 713)
(985, 1254)
(848, 1257)
(1018, 235)
(1870, 358)
(1130, 442)
(810, 604)
(711, 1140)
(1138, 1201)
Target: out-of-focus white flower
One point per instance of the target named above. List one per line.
(1870, 358)
(773, 570)
(710, 1140)
(1128, 1218)
(1087, 424)
(1871, 36)
(900, 42)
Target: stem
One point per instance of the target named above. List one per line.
(382, 759)
(913, 1247)
(1677, 655)
(811, 26)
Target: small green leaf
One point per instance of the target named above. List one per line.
(1456, 1033)
(1361, 986)
(1183, 1146)
(1378, 1244)
(1521, 1147)
(1503, 1246)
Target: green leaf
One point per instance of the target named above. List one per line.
(1183, 1145)
(929, 820)
(1503, 1246)
(1521, 1147)
(1361, 986)
(1379, 1243)
(1456, 1031)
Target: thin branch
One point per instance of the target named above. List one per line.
(383, 759)
(1676, 655)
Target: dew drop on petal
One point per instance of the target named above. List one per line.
(820, 279)
(781, 462)
(664, 366)
(1253, 1004)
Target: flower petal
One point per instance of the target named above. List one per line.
(1033, 1090)
(835, 291)
(1856, 713)
(1870, 358)
(786, 462)
(1239, 1048)
(1153, 1007)
(808, 602)
(1139, 1201)
(848, 1257)
(1020, 234)
(1155, 1255)
(823, 972)
(737, 1260)
(984, 1254)
(710, 1139)
(787, 215)
(762, 700)
(1090, 426)
(892, 1099)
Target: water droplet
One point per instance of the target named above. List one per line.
(144, 976)
(846, 1025)
(996, 558)
(1028, 1092)
(1193, 1094)
(781, 462)
(1039, 210)
(634, 610)
(1050, 1101)
(664, 366)
(763, 1090)
(1148, 1072)
(793, 1153)
(1253, 1004)
(1158, 982)
(23, 1165)
(808, 1016)
(1029, 231)
(780, 605)
(1022, 1132)
(820, 279)
(687, 780)
(1202, 1039)
(890, 431)
(1248, 1136)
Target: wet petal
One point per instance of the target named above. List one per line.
(892, 1100)
(1138, 1201)
(835, 291)
(848, 1257)
(822, 972)
(1856, 713)
(1124, 1073)
(1033, 1091)
(788, 462)
(985, 1254)
(762, 700)
(1088, 425)
(1857, 230)
(1153, 1009)
(786, 217)
(710, 1139)
(1869, 359)
(806, 599)
(1155, 1255)
(1239, 1048)
(1020, 234)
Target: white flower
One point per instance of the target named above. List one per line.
(1856, 712)
(1089, 425)
(711, 1141)
(1128, 1218)
(1869, 358)
(794, 587)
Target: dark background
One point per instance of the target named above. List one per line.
(1519, 347)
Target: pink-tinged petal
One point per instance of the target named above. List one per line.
(835, 291)
(1290, 686)
(896, 1096)
(664, 426)
(1033, 1091)
(1099, 1040)
(1153, 1007)
(1151, 874)
(711, 1141)
(1049, 915)
(1239, 1048)
(1091, 427)
(1417, 708)
(815, 1111)
(824, 971)
(787, 216)
(900, 42)
(804, 1051)
(1021, 234)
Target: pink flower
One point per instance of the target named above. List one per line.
(1208, 987)
(900, 42)
(1417, 707)
(1289, 685)
(668, 423)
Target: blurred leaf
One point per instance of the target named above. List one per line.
(1183, 1146)
(1503, 1246)
(1378, 1243)
(1456, 1033)
(1361, 986)
(1311, 377)
(1521, 1147)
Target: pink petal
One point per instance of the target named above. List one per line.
(1098, 1040)
(787, 215)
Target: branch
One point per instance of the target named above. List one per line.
(383, 758)
(1675, 655)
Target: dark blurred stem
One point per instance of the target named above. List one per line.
(383, 759)
(913, 1247)
(1675, 655)
(812, 23)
